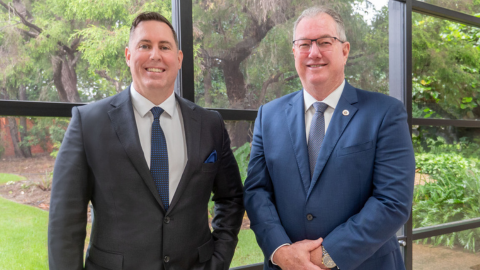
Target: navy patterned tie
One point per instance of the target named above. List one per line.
(159, 157)
(317, 133)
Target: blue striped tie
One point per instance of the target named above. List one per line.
(159, 158)
(317, 133)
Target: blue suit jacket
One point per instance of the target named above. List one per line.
(362, 186)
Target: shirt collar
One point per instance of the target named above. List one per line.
(331, 100)
(142, 105)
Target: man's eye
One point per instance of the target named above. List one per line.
(325, 43)
(164, 48)
(303, 45)
(143, 46)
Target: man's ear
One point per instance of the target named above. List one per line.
(127, 56)
(180, 58)
(346, 51)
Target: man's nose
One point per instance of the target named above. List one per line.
(156, 54)
(314, 51)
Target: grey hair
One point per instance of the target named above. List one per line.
(318, 10)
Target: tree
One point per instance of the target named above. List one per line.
(243, 52)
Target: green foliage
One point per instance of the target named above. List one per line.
(446, 64)
(242, 155)
(45, 130)
(450, 192)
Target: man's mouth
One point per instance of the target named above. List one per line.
(158, 70)
(316, 66)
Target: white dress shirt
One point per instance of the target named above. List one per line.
(332, 101)
(171, 122)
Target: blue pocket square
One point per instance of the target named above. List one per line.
(212, 158)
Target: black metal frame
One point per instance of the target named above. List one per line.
(446, 14)
(400, 87)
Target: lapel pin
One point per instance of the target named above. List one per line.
(345, 112)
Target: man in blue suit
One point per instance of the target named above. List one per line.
(331, 172)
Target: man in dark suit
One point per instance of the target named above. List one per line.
(148, 161)
(331, 172)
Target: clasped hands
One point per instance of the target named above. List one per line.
(301, 255)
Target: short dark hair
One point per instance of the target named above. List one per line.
(151, 16)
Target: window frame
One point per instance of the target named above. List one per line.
(400, 84)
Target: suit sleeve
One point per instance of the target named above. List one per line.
(389, 205)
(259, 197)
(69, 201)
(229, 210)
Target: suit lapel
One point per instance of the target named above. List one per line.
(123, 121)
(296, 126)
(192, 125)
(337, 125)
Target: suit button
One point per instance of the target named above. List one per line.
(166, 259)
(167, 220)
(309, 217)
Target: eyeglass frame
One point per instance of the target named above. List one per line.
(315, 40)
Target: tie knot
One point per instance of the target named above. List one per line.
(320, 106)
(156, 111)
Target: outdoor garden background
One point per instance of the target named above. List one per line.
(73, 51)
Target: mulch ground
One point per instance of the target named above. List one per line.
(35, 190)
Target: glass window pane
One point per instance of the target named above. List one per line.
(76, 56)
(447, 179)
(449, 251)
(465, 6)
(243, 52)
(446, 64)
(247, 251)
(27, 154)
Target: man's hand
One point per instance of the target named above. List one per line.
(316, 256)
(297, 255)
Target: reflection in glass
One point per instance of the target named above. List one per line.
(446, 64)
(447, 180)
(428, 256)
(243, 51)
(465, 6)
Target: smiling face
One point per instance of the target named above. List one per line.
(154, 60)
(320, 72)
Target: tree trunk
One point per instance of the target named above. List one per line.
(235, 84)
(22, 95)
(207, 84)
(23, 133)
(12, 125)
(65, 78)
(240, 132)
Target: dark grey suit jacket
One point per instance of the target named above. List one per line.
(101, 161)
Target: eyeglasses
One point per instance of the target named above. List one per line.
(323, 44)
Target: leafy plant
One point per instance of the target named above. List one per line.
(453, 194)
(242, 155)
(45, 183)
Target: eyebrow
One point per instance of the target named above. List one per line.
(322, 36)
(149, 41)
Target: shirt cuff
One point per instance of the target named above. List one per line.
(271, 257)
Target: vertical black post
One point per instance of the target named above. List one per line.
(182, 22)
(400, 80)
(409, 96)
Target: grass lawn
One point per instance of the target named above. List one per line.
(6, 177)
(247, 251)
(23, 239)
(23, 236)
